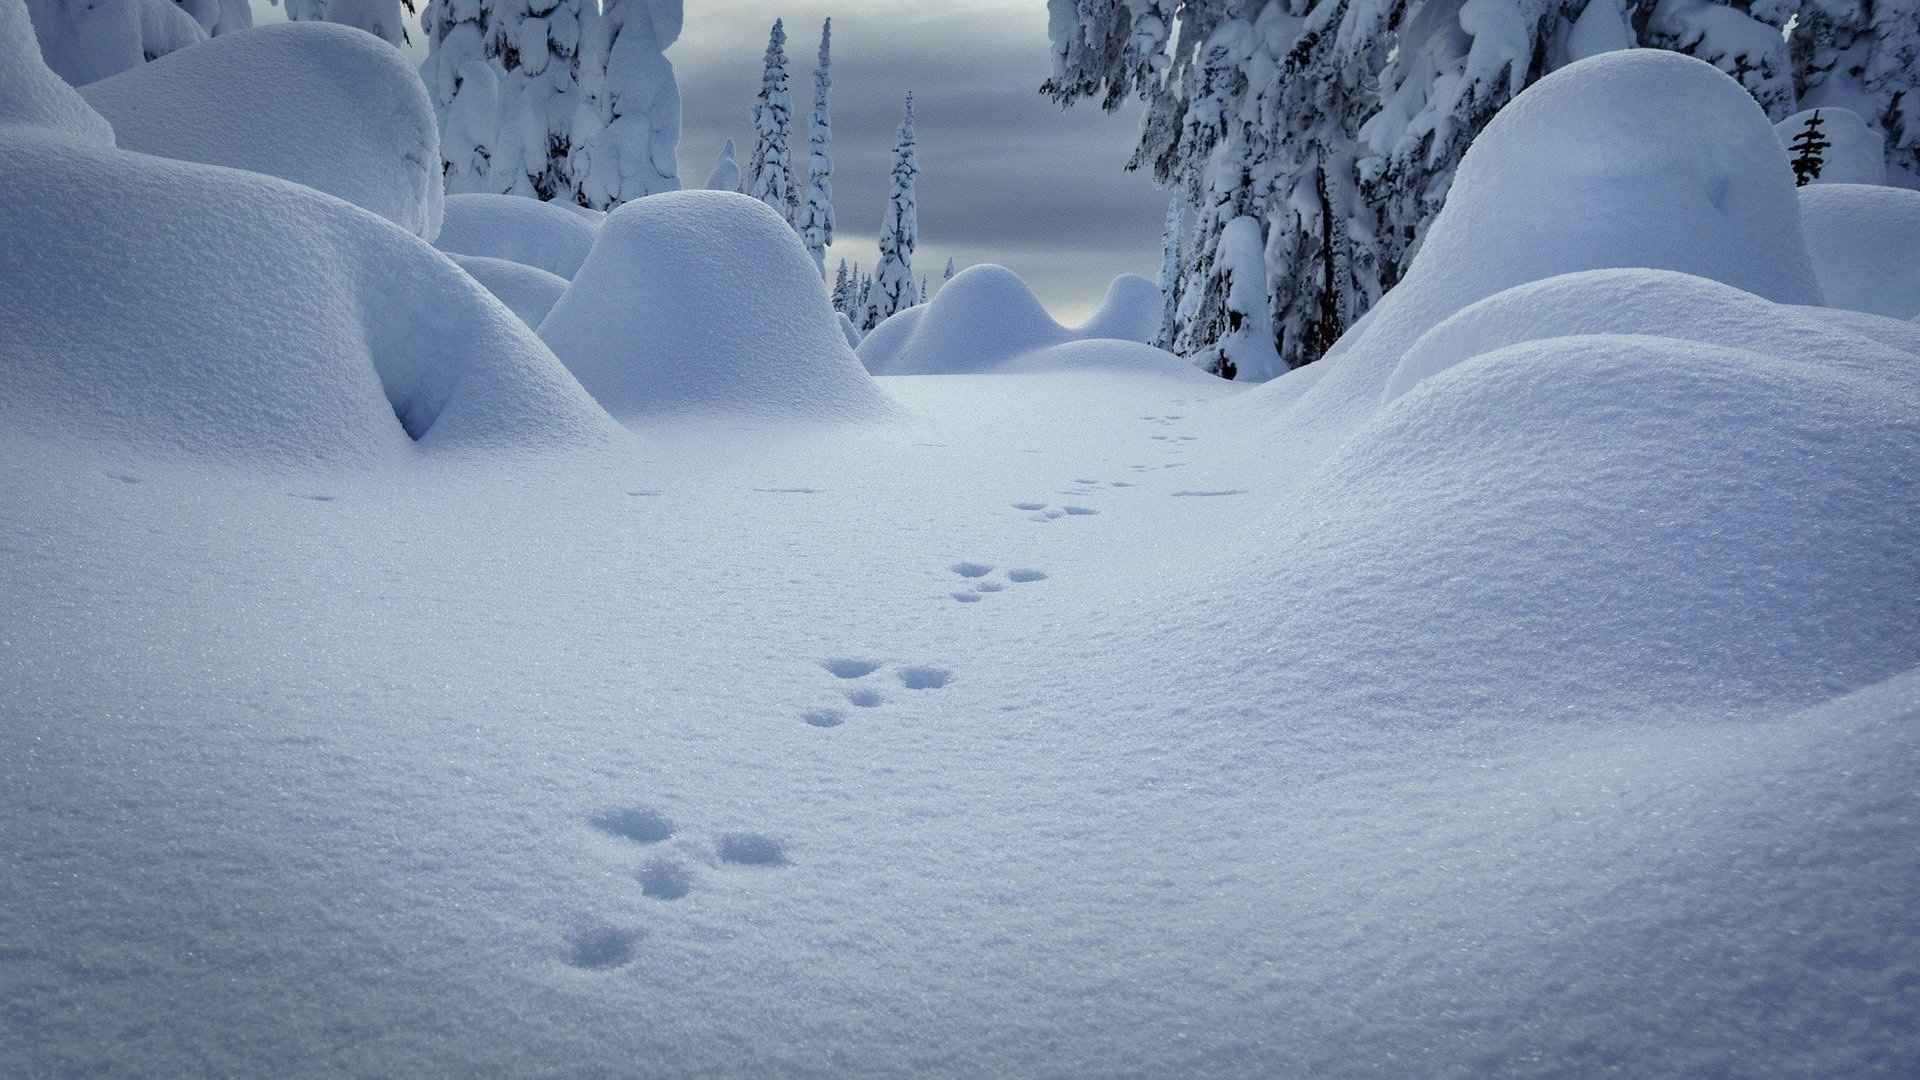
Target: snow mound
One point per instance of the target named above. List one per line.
(1651, 303)
(31, 95)
(1857, 154)
(86, 42)
(249, 321)
(528, 291)
(1112, 356)
(1581, 526)
(1865, 242)
(984, 316)
(848, 330)
(705, 301)
(1637, 157)
(1129, 312)
(518, 229)
(315, 103)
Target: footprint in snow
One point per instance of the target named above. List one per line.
(600, 948)
(1024, 576)
(965, 597)
(824, 718)
(971, 569)
(924, 677)
(865, 698)
(1029, 506)
(752, 849)
(1079, 511)
(665, 879)
(847, 667)
(1184, 494)
(640, 824)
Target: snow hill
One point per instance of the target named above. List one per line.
(336, 110)
(523, 230)
(1530, 687)
(987, 316)
(705, 300)
(1863, 239)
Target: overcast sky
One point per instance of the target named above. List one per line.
(1005, 176)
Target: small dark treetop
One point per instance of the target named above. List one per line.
(1809, 149)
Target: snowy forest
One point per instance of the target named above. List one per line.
(1072, 538)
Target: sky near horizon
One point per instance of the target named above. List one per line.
(1006, 176)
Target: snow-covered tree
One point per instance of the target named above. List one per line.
(85, 41)
(1170, 262)
(770, 173)
(464, 84)
(218, 17)
(1246, 343)
(841, 283)
(1864, 55)
(947, 274)
(1744, 38)
(816, 216)
(626, 129)
(726, 171)
(536, 45)
(381, 18)
(894, 288)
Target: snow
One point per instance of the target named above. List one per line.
(627, 129)
(726, 171)
(32, 96)
(985, 316)
(705, 302)
(1079, 713)
(528, 291)
(315, 103)
(1863, 239)
(84, 42)
(1858, 154)
(519, 229)
(1129, 312)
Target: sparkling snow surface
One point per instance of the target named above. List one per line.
(1553, 711)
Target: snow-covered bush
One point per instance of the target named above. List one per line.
(317, 104)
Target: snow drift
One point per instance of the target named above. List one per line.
(1636, 157)
(86, 42)
(986, 316)
(236, 318)
(319, 104)
(705, 301)
(1865, 242)
(31, 95)
(528, 291)
(519, 229)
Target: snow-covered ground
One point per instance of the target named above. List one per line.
(1530, 687)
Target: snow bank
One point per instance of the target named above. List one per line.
(1656, 303)
(705, 301)
(32, 95)
(85, 42)
(1129, 312)
(1865, 242)
(242, 319)
(986, 316)
(519, 229)
(1635, 157)
(1585, 526)
(1857, 154)
(528, 291)
(316, 103)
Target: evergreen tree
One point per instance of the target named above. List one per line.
(893, 286)
(726, 171)
(816, 217)
(770, 174)
(1744, 38)
(1170, 261)
(536, 46)
(1865, 55)
(950, 271)
(218, 17)
(1809, 151)
(381, 18)
(841, 283)
(626, 129)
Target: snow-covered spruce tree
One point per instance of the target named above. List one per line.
(726, 171)
(1170, 261)
(381, 18)
(894, 288)
(947, 274)
(218, 17)
(841, 283)
(1865, 55)
(536, 46)
(816, 214)
(770, 173)
(1744, 38)
(626, 128)
(465, 88)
